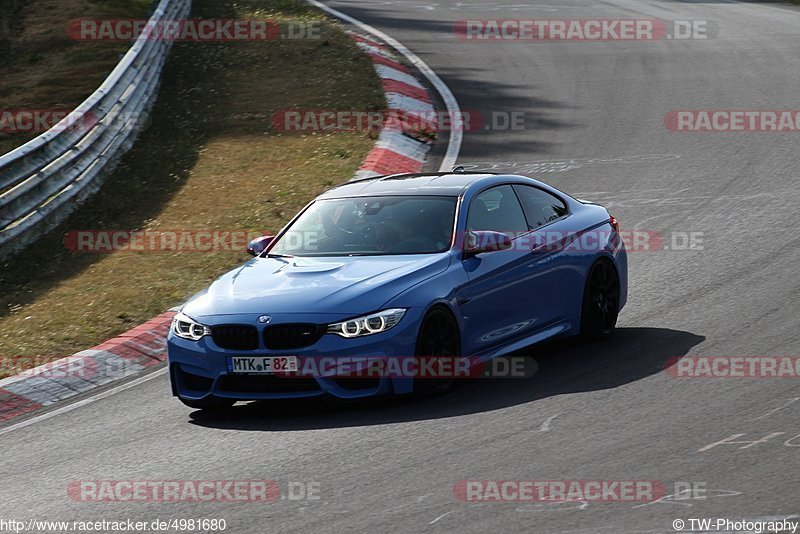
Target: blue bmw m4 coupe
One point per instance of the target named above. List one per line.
(450, 265)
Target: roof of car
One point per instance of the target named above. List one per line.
(446, 184)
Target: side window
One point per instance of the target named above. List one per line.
(497, 209)
(540, 206)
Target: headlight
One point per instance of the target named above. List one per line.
(187, 328)
(369, 324)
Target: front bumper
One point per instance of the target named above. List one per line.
(199, 369)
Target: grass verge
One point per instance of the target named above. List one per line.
(209, 160)
(43, 69)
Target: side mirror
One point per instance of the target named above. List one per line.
(259, 244)
(480, 241)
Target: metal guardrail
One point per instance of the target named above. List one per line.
(44, 180)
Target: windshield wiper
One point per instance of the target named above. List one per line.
(278, 256)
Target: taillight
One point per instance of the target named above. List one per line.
(613, 222)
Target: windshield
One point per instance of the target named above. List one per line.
(369, 226)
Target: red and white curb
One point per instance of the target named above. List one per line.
(125, 355)
(381, 42)
(395, 151)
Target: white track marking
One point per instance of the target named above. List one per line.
(441, 516)
(83, 402)
(546, 425)
(555, 506)
(450, 102)
(791, 401)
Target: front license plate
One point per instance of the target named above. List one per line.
(262, 365)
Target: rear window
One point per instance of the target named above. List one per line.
(540, 206)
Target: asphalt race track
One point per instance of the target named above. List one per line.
(594, 126)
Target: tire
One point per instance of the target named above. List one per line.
(600, 306)
(208, 403)
(438, 336)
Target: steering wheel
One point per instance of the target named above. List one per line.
(368, 232)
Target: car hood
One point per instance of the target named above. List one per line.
(347, 285)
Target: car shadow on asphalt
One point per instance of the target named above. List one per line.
(564, 367)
